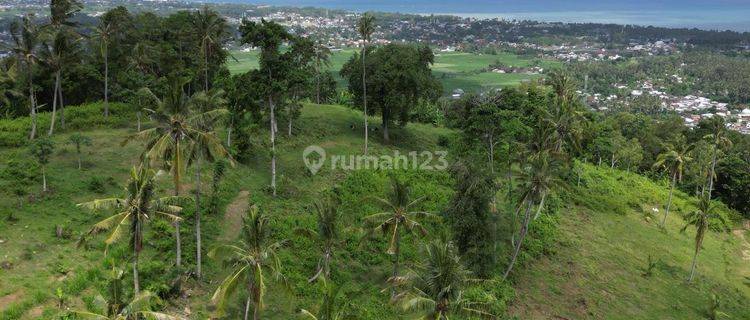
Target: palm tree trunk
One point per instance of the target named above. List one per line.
(273, 146)
(522, 235)
(31, 101)
(205, 70)
(692, 266)
(79, 159)
(198, 219)
(44, 179)
(54, 104)
(395, 261)
(247, 307)
(386, 136)
(364, 90)
(178, 244)
(177, 188)
(492, 155)
(106, 83)
(229, 132)
(317, 82)
(540, 207)
(256, 312)
(138, 119)
(62, 105)
(713, 170)
(669, 201)
(136, 283)
(510, 175)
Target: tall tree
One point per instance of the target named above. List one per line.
(719, 140)
(55, 56)
(470, 216)
(365, 27)
(399, 77)
(435, 289)
(539, 177)
(25, 35)
(250, 258)
(104, 33)
(61, 11)
(135, 211)
(564, 116)
(331, 307)
(272, 74)
(322, 58)
(327, 234)
(703, 219)
(399, 215)
(211, 28)
(673, 161)
(178, 139)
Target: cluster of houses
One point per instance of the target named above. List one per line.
(336, 31)
(691, 108)
(512, 69)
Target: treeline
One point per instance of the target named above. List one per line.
(717, 76)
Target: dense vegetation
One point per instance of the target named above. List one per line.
(207, 211)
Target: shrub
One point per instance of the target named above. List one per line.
(14, 132)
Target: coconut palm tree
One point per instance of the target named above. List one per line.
(8, 86)
(719, 140)
(365, 27)
(321, 58)
(327, 234)
(178, 139)
(25, 35)
(114, 308)
(64, 32)
(399, 215)
(138, 308)
(135, 211)
(251, 259)
(104, 33)
(331, 308)
(703, 219)
(563, 117)
(673, 162)
(540, 176)
(55, 56)
(211, 28)
(435, 289)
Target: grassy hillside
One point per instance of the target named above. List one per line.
(593, 270)
(603, 253)
(456, 70)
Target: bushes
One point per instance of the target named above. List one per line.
(15, 132)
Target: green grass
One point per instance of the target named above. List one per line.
(594, 270)
(456, 70)
(604, 249)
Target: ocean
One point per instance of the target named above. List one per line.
(709, 15)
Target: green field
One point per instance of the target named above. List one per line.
(593, 270)
(455, 70)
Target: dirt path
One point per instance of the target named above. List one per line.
(740, 233)
(233, 216)
(7, 301)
